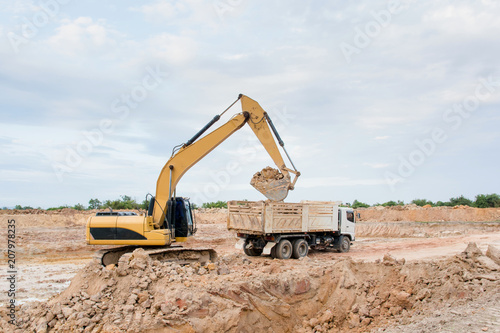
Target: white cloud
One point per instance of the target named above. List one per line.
(377, 165)
(166, 10)
(184, 14)
(338, 181)
(82, 36)
(463, 19)
(18, 6)
(173, 49)
(392, 93)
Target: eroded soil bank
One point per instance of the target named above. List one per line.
(414, 213)
(238, 294)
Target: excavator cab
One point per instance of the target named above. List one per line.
(179, 218)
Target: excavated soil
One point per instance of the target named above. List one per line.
(266, 175)
(398, 277)
(414, 213)
(238, 294)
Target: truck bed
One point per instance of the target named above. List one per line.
(265, 217)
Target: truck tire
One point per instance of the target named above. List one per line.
(273, 251)
(300, 248)
(344, 244)
(284, 249)
(253, 252)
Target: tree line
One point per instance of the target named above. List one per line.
(481, 201)
(124, 202)
(127, 202)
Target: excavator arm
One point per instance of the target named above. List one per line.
(193, 151)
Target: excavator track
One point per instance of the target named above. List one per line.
(183, 256)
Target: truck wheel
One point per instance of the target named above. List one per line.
(344, 244)
(284, 249)
(300, 248)
(253, 252)
(273, 252)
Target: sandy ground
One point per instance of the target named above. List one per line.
(48, 257)
(51, 251)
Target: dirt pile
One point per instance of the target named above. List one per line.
(424, 230)
(414, 213)
(210, 215)
(66, 217)
(238, 294)
(267, 174)
(272, 183)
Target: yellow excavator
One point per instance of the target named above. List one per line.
(169, 218)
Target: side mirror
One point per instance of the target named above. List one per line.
(358, 215)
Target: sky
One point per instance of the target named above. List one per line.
(375, 100)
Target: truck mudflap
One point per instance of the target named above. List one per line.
(240, 244)
(268, 247)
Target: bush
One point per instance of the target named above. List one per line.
(422, 202)
(57, 208)
(126, 202)
(95, 204)
(19, 207)
(357, 204)
(218, 204)
(393, 203)
(460, 201)
(79, 206)
(487, 200)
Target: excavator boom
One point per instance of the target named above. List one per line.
(191, 152)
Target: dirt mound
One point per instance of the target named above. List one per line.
(210, 215)
(66, 217)
(238, 294)
(423, 230)
(414, 213)
(272, 183)
(267, 174)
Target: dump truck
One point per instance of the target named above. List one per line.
(288, 230)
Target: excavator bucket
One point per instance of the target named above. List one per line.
(273, 184)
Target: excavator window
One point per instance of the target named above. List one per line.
(180, 217)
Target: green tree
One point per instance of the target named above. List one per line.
(487, 200)
(125, 202)
(79, 206)
(57, 208)
(218, 204)
(460, 201)
(393, 203)
(145, 204)
(19, 207)
(95, 204)
(358, 204)
(422, 202)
